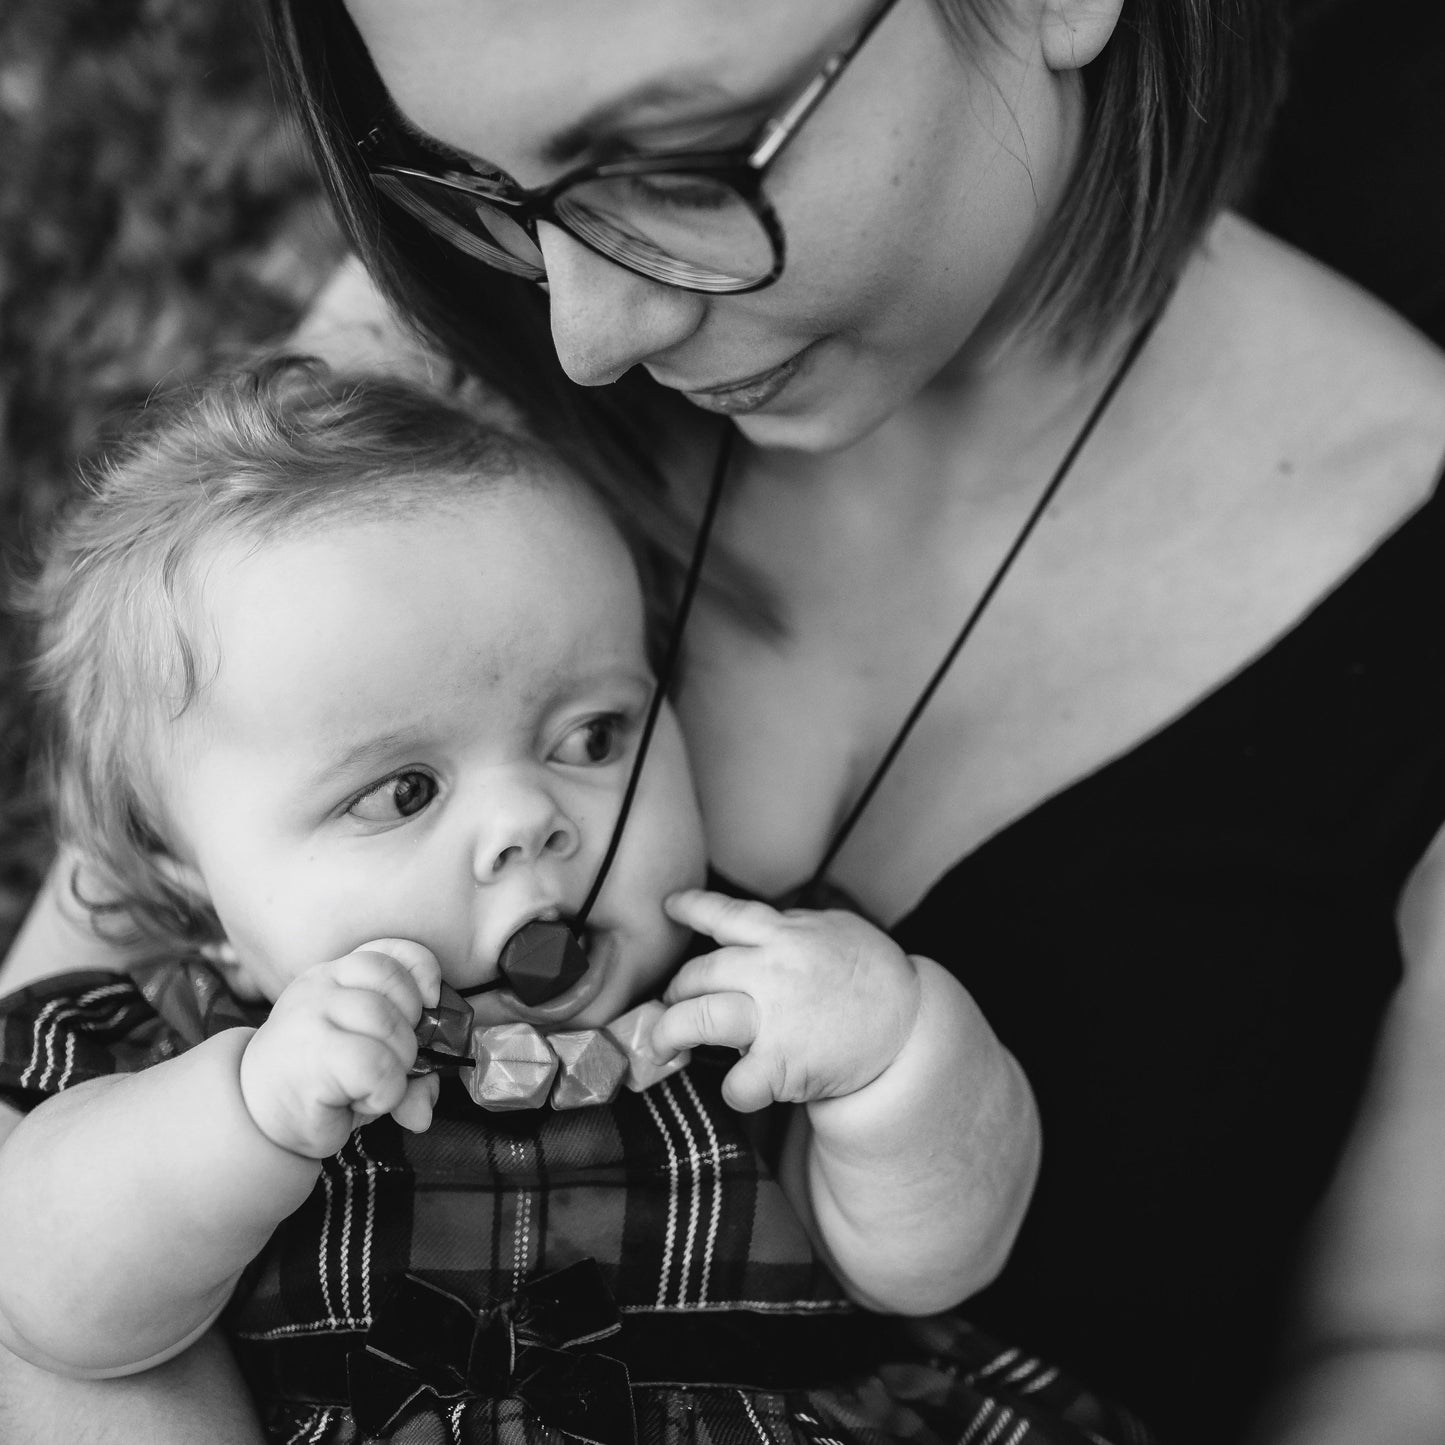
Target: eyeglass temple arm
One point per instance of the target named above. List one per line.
(782, 128)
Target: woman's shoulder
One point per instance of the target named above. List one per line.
(1308, 362)
(1297, 398)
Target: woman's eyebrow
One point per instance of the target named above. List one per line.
(424, 137)
(610, 116)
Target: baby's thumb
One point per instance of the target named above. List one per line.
(746, 1087)
(415, 1110)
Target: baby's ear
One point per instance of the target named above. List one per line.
(223, 957)
(184, 877)
(221, 954)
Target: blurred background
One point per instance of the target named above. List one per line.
(156, 217)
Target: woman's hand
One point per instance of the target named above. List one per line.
(818, 1003)
(335, 1051)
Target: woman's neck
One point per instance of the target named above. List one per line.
(985, 434)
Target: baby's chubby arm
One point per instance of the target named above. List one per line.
(130, 1205)
(917, 1151)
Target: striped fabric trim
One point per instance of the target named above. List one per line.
(53, 1054)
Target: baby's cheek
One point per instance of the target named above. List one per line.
(668, 945)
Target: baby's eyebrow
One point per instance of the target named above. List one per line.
(368, 752)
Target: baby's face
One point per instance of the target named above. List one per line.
(422, 728)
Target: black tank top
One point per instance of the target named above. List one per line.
(1190, 951)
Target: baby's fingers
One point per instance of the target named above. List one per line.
(415, 1110)
(372, 1015)
(369, 1078)
(728, 1019)
(728, 920)
(397, 968)
(747, 1087)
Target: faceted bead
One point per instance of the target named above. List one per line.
(514, 1067)
(593, 1067)
(541, 960)
(447, 1028)
(632, 1031)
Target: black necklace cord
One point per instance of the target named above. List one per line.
(666, 672)
(545, 957)
(1048, 494)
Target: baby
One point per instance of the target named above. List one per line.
(346, 688)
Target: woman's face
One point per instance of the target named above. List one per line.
(909, 199)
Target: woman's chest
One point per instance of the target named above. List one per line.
(1117, 618)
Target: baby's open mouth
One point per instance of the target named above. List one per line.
(541, 961)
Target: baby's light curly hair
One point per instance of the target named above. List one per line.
(122, 648)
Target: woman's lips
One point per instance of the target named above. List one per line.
(752, 392)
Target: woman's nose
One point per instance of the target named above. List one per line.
(605, 318)
(522, 826)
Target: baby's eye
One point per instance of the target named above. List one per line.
(400, 796)
(598, 740)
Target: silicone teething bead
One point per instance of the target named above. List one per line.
(541, 960)
(593, 1068)
(447, 1028)
(632, 1031)
(514, 1068)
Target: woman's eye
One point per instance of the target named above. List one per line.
(679, 191)
(401, 796)
(598, 740)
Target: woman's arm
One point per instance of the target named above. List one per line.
(198, 1396)
(1373, 1346)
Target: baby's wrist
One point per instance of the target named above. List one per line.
(232, 1145)
(907, 1029)
(947, 1039)
(255, 1089)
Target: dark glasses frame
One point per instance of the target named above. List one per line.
(741, 168)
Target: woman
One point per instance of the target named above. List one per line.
(1161, 810)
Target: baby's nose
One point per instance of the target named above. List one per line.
(525, 826)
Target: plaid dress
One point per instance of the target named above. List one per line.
(629, 1273)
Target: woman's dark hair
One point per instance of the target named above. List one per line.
(606, 434)
(1177, 107)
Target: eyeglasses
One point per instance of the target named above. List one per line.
(697, 220)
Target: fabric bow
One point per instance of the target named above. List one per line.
(425, 1342)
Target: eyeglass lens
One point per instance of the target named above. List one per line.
(683, 228)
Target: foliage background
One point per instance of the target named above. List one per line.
(156, 216)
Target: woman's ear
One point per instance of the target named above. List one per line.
(1075, 31)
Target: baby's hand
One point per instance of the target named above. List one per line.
(335, 1051)
(819, 1003)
